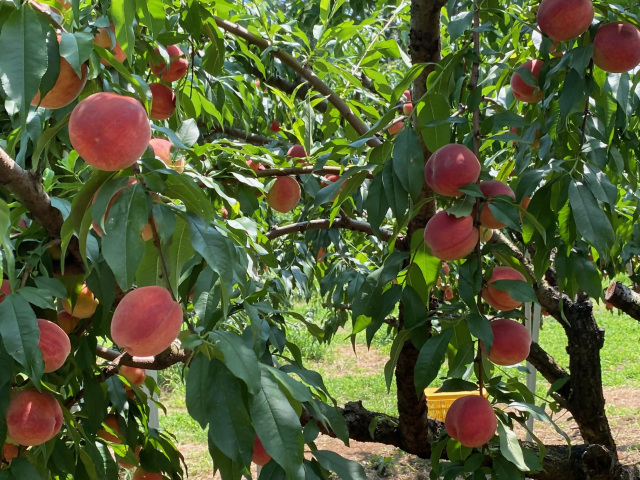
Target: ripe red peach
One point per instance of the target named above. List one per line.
(298, 154)
(5, 289)
(141, 474)
(500, 299)
(178, 64)
(146, 321)
(395, 128)
(85, 305)
(163, 101)
(450, 237)
(33, 417)
(109, 131)
(66, 89)
(103, 39)
(260, 456)
(562, 20)
(54, 344)
(407, 95)
(9, 451)
(450, 168)
(511, 342)
(162, 150)
(407, 108)
(284, 194)
(616, 47)
(134, 375)
(471, 421)
(113, 423)
(255, 166)
(493, 188)
(67, 322)
(275, 126)
(523, 91)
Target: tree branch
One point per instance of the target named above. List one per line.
(170, 356)
(623, 298)
(252, 138)
(551, 371)
(326, 224)
(288, 171)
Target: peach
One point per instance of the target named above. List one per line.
(112, 421)
(33, 417)
(66, 89)
(134, 375)
(616, 47)
(395, 128)
(450, 237)
(5, 289)
(562, 20)
(500, 299)
(9, 451)
(146, 321)
(162, 150)
(274, 127)
(163, 101)
(485, 234)
(523, 91)
(85, 305)
(493, 188)
(55, 345)
(109, 131)
(451, 167)
(471, 421)
(260, 456)
(255, 166)
(407, 95)
(67, 322)
(298, 154)
(284, 194)
(407, 108)
(103, 39)
(511, 342)
(178, 64)
(141, 474)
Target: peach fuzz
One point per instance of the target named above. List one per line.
(511, 342)
(114, 425)
(103, 39)
(163, 101)
(451, 167)
(523, 91)
(141, 474)
(109, 131)
(67, 322)
(162, 150)
(500, 299)
(66, 89)
(178, 64)
(284, 194)
(146, 321)
(55, 345)
(5, 289)
(33, 417)
(493, 188)
(85, 305)
(450, 237)
(260, 455)
(471, 421)
(616, 47)
(298, 154)
(134, 375)
(562, 20)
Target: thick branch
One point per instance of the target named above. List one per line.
(551, 371)
(170, 356)
(325, 224)
(304, 72)
(624, 298)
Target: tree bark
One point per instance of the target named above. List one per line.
(624, 298)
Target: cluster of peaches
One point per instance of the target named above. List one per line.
(145, 323)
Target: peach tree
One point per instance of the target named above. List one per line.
(175, 173)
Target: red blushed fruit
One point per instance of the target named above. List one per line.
(255, 166)
(141, 474)
(146, 321)
(260, 456)
(178, 65)
(451, 167)
(562, 20)
(523, 91)
(103, 39)
(493, 188)
(85, 306)
(395, 128)
(284, 194)
(162, 150)
(407, 95)
(450, 237)
(9, 451)
(274, 127)
(616, 47)
(407, 108)
(500, 299)
(67, 322)
(113, 423)
(471, 421)
(511, 342)
(66, 89)
(134, 375)
(109, 131)
(298, 154)
(163, 101)
(33, 417)
(5, 289)
(54, 344)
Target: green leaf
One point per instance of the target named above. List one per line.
(517, 289)
(396, 348)
(376, 204)
(480, 328)
(341, 466)
(510, 447)
(152, 14)
(180, 251)
(123, 14)
(591, 221)
(415, 309)
(214, 52)
(408, 162)
(238, 358)
(397, 196)
(430, 358)
(198, 385)
(432, 113)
